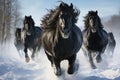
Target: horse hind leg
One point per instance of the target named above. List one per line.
(27, 59)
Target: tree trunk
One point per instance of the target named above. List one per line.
(3, 22)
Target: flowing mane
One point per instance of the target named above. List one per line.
(86, 19)
(50, 20)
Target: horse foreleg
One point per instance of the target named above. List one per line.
(91, 60)
(26, 55)
(33, 54)
(98, 58)
(50, 58)
(71, 68)
(57, 68)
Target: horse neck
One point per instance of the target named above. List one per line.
(33, 31)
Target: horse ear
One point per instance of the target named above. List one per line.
(61, 4)
(30, 16)
(71, 5)
(25, 16)
(96, 12)
(89, 12)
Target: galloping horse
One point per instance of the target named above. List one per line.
(95, 38)
(18, 40)
(61, 38)
(31, 37)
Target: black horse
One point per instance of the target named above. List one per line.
(61, 38)
(31, 36)
(95, 38)
(18, 40)
(111, 44)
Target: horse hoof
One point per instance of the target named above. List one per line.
(58, 72)
(72, 69)
(27, 59)
(33, 58)
(98, 59)
(94, 67)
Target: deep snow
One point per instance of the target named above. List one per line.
(14, 67)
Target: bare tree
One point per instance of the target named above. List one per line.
(9, 18)
(3, 22)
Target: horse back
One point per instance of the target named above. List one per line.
(104, 37)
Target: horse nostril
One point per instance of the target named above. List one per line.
(66, 31)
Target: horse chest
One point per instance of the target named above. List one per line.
(94, 42)
(29, 41)
(64, 48)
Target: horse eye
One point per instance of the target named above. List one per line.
(62, 16)
(90, 17)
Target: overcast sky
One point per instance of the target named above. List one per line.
(38, 8)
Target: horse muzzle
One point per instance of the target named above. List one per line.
(93, 30)
(65, 34)
(28, 33)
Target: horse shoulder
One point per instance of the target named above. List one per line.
(78, 33)
(78, 36)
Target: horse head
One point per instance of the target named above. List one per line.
(28, 25)
(65, 19)
(18, 34)
(62, 19)
(93, 21)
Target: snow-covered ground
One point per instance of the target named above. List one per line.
(14, 67)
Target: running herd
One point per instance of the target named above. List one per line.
(61, 38)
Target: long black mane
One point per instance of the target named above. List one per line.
(86, 20)
(49, 20)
